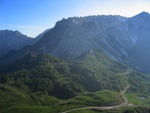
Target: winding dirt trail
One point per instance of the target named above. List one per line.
(125, 103)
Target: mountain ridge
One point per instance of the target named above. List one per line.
(120, 37)
(13, 40)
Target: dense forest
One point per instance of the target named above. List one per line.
(91, 72)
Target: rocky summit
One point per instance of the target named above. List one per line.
(124, 39)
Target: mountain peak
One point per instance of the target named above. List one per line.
(10, 31)
(144, 13)
(18, 33)
(12, 40)
(141, 17)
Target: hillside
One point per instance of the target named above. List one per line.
(79, 63)
(90, 72)
(13, 40)
(124, 39)
(42, 80)
(57, 72)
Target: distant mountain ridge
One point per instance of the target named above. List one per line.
(10, 40)
(15, 40)
(124, 39)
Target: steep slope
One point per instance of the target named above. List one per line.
(41, 35)
(12, 40)
(139, 55)
(130, 41)
(69, 38)
(89, 72)
(33, 79)
(72, 37)
(124, 39)
(66, 77)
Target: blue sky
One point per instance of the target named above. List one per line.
(31, 17)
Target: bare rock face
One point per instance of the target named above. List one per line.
(124, 39)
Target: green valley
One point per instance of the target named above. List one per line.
(40, 83)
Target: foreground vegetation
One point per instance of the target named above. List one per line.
(123, 110)
(19, 101)
(14, 100)
(42, 83)
(138, 99)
